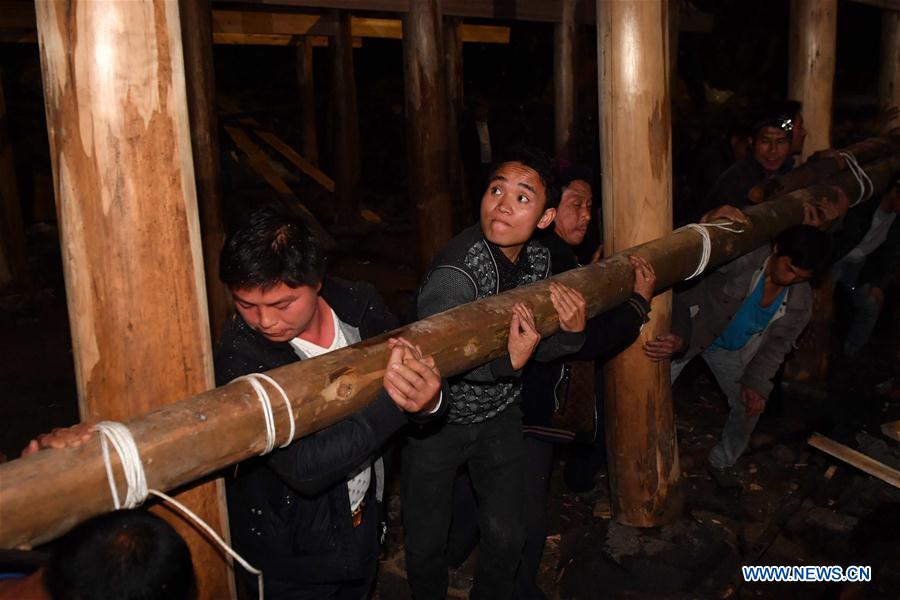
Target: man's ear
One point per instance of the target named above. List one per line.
(547, 218)
(318, 287)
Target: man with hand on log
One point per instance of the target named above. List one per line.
(777, 134)
(483, 428)
(744, 318)
(308, 515)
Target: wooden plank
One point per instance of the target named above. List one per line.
(233, 21)
(891, 430)
(184, 441)
(267, 39)
(301, 163)
(857, 459)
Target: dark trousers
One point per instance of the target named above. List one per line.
(493, 451)
(537, 468)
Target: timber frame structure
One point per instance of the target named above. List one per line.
(164, 98)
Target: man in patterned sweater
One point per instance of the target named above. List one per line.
(483, 428)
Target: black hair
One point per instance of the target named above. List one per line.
(780, 115)
(273, 246)
(126, 554)
(568, 172)
(538, 161)
(807, 247)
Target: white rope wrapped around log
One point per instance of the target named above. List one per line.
(706, 251)
(117, 434)
(266, 402)
(862, 178)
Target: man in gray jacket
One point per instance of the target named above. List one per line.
(744, 319)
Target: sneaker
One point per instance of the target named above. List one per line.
(725, 477)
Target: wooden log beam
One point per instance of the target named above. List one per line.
(864, 463)
(564, 53)
(453, 62)
(813, 33)
(117, 117)
(201, 94)
(307, 102)
(346, 122)
(642, 450)
(891, 430)
(820, 169)
(889, 69)
(426, 127)
(187, 440)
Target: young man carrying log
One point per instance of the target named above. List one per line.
(308, 514)
(744, 318)
(483, 428)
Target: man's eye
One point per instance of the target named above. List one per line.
(522, 198)
(495, 190)
(283, 305)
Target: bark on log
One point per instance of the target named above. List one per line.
(821, 168)
(889, 74)
(564, 51)
(426, 126)
(201, 93)
(642, 450)
(187, 440)
(114, 89)
(811, 67)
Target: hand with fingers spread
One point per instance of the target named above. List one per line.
(411, 380)
(754, 404)
(523, 336)
(663, 347)
(570, 306)
(726, 211)
(644, 277)
(812, 215)
(60, 437)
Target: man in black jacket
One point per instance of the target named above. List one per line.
(307, 514)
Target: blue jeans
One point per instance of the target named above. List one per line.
(865, 316)
(727, 368)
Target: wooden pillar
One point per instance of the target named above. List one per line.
(637, 206)
(889, 76)
(426, 126)
(346, 121)
(12, 231)
(196, 29)
(813, 32)
(308, 142)
(114, 88)
(564, 49)
(461, 202)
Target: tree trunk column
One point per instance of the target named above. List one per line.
(564, 42)
(12, 229)
(637, 207)
(426, 114)
(811, 67)
(114, 88)
(346, 121)
(462, 204)
(889, 78)
(196, 20)
(305, 81)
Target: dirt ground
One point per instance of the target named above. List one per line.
(799, 507)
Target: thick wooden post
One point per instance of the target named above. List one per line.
(309, 144)
(889, 76)
(12, 232)
(811, 67)
(426, 126)
(637, 206)
(462, 204)
(196, 29)
(346, 121)
(564, 49)
(114, 89)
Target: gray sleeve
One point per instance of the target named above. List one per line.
(449, 287)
